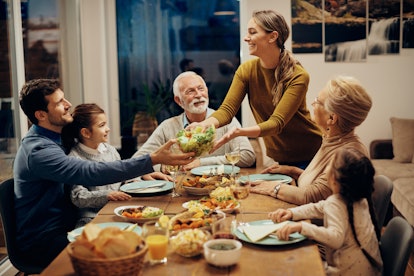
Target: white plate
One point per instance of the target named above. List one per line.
(270, 177)
(205, 170)
(121, 225)
(147, 192)
(118, 212)
(273, 240)
(227, 211)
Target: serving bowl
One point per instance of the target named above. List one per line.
(189, 243)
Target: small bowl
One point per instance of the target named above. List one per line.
(189, 243)
(222, 252)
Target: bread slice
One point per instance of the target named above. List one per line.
(91, 231)
(258, 232)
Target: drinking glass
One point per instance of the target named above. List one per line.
(232, 154)
(224, 227)
(241, 189)
(156, 237)
(173, 171)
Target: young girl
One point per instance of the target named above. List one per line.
(350, 231)
(87, 137)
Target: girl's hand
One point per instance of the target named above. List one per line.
(118, 196)
(284, 232)
(280, 215)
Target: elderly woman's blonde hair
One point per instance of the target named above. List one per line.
(349, 100)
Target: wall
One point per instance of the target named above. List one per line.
(389, 79)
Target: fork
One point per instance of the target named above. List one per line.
(241, 226)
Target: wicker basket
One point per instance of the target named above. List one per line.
(129, 265)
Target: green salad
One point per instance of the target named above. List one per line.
(196, 140)
(150, 212)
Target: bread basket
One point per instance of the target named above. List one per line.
(128, 265)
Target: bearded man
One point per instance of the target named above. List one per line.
(191, 94)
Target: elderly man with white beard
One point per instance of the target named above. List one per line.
(191, 94)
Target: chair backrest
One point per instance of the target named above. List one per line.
(9, 226)
(381, 197)
(396, 246)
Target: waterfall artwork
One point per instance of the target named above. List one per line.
(408, 24)
(384, 27)
(307, 18)
(345, 30)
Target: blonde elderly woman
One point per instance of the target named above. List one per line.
(341, 106)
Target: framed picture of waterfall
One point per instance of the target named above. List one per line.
(384, 27)
(345, 25)
(408, 24)
(307, 18)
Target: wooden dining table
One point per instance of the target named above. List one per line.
(301, 258)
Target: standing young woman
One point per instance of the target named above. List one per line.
(276, 85)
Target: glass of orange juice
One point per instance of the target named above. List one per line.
(156, 236)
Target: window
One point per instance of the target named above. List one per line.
(154, 36)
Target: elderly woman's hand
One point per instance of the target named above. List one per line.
(263, 188)
(276, 168)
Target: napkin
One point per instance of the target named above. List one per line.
(258, 232)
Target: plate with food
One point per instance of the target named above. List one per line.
(137, 213)
(72, 235)
(257, 178)
(197, 140)
(262, 232)
(147, 187)
(214, 170)
(226, 205)
(200, 219)
(219, 199)
(203, 185)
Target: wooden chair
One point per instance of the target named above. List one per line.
(396, 245)
(9, 226)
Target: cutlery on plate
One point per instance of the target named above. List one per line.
(275, 237)
(241, 226)
(157, 186)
